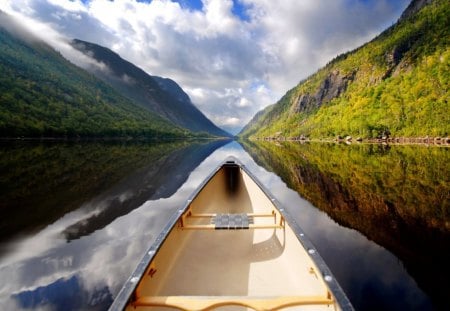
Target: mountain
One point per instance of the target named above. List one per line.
(160, 95)
(396, 85)
(44, 95)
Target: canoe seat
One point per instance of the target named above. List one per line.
(211, 302)
(231, 221)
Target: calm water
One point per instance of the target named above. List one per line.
(77, 217)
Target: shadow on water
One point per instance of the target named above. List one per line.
(398, 197)
(41, 182)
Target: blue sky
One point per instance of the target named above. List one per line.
(239, 9)
(233, 57)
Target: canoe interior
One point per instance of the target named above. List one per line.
(264, 266)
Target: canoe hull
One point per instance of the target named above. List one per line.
(232, 245)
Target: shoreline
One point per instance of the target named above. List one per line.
(107, 139)
(435, 141)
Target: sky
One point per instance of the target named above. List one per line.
(232, 57)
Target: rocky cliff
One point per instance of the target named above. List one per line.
(331, 87)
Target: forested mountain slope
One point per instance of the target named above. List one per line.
(160, 95)
(44, 95)
(397, 84)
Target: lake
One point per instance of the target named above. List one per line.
(77, 217)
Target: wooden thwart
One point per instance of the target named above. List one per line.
(210, 215)
(211, 302)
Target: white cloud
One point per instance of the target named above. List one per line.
(244, 102)
(230, 67)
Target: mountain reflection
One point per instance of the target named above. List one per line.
(159, 179)
(396, 196)
(41, 182)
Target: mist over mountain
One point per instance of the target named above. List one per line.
(160, 95)
(44, 95)
(396, 85)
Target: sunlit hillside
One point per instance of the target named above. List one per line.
(397, 85)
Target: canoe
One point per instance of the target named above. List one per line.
(231, 246)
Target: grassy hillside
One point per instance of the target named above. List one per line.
(42, 94)
(397, 84)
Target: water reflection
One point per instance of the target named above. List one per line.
(41, 182)
(46, 272)
(396, 196)
(56, 295)
(160, 178)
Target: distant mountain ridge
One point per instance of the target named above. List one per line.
(44, 95)
(396, 85)
(161, 95)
